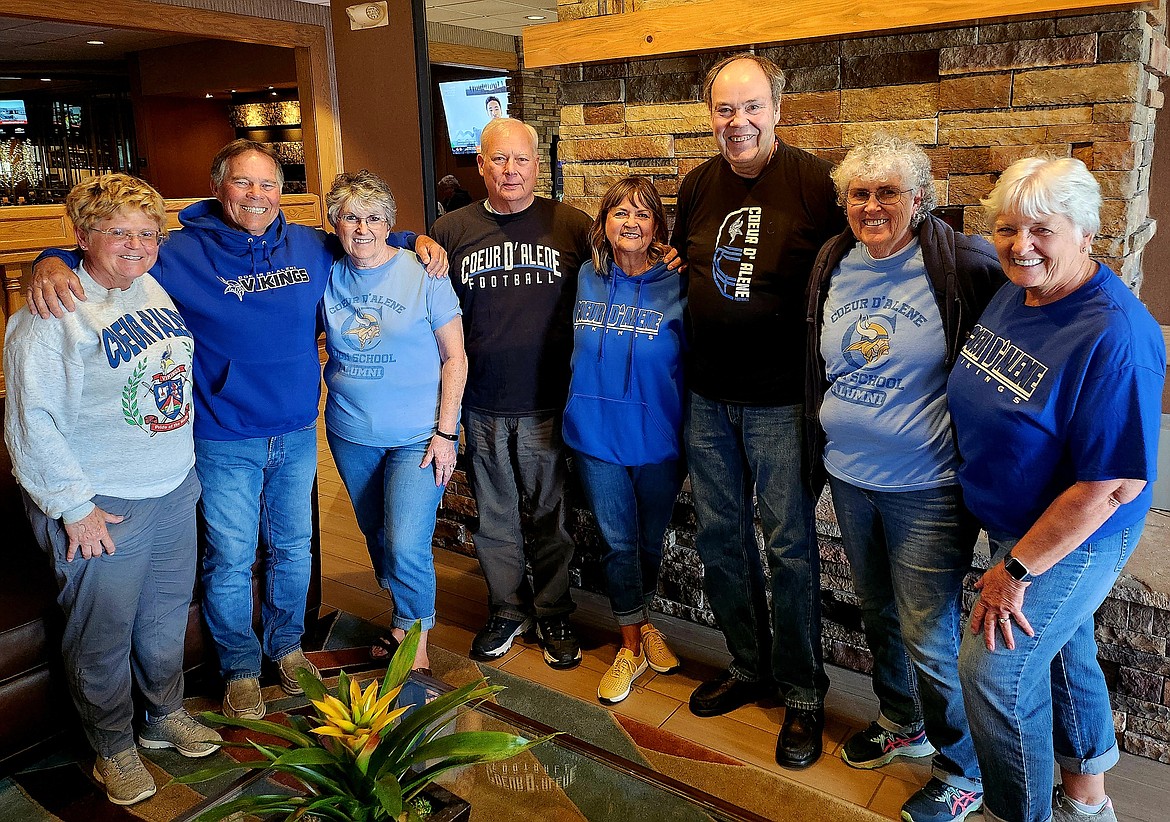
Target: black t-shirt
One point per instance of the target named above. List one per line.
(749, 247)
(516, 277)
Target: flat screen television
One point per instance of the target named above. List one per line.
(468, 105)
(13, 113)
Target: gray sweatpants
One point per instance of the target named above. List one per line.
(126, 612)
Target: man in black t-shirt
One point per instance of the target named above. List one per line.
(749, 225)
(514, 259)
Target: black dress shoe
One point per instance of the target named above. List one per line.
(722, 694)
(799, 744)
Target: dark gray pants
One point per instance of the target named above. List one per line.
(126, 612)
(511, 456)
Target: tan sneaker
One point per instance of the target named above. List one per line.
(658, 654)
(126, 779)
(289, 664)
(242, 699)
(180, 731)
(619, 679)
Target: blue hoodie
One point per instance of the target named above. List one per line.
(253, 314)
(626, 394)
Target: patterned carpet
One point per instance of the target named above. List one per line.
(549, 784)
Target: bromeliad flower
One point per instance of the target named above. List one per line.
(360, 723)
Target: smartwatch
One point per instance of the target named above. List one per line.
(1016, 569)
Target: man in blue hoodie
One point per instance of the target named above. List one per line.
(247, 283)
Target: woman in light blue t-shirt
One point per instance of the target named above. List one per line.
(395, 376)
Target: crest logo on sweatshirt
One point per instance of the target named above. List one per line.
(255, 283)
(736, 246)
(166, 388)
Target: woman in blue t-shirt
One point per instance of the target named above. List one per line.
(624, 415)
(395, 376)
(1056, 400)
(890, 300)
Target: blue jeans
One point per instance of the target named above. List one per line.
(125, 612)
(633, 505)
(259, 487)
(733, 450)
(510, 457)
(909, 552)
(1047, 699)
(395, 502)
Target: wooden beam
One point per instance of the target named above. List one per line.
(455, 54)
(725, 24)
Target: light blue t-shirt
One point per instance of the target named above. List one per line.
(885, 414)
(384, 370)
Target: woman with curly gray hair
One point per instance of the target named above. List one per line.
(395, 375)
(890, 301)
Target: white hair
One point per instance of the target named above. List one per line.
(1039, 186)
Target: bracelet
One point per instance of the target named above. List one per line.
(451, 437)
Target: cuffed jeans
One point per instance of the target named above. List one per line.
(395, 502)
(125, 612)
(1046, 700)
(733, 449)
(256, 488)
(909, 552)
(633, 505)
(510, 456)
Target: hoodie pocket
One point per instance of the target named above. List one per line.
(268, 397)
(618, 431)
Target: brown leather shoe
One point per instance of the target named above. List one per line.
(799, 743)
(722, 694)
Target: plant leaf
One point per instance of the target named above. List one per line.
(407, 733)
(306, 756)
(343, 688)
(314, 687)
(268, 803)
(260, 726)
(389, 794)
(399, 668)
(485, 746)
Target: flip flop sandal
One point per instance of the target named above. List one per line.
(383, 648)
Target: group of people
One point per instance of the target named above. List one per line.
(947, 384)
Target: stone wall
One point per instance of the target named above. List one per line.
(977, 98)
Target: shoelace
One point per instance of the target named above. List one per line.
(955, 798)
(555, 629)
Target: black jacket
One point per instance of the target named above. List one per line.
(964, 274)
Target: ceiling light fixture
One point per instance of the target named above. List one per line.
(534, 17)
(208, 95)
(46, 79)
(95, 42)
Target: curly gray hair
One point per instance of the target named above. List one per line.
(885, 156)
(364, 188)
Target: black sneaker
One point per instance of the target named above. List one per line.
(560, 645)
(494, 640)
(875, 746)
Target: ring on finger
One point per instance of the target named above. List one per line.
(1004, 620)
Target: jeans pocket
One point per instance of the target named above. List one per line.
(1127, 546)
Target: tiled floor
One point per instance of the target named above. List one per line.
(1140, 788)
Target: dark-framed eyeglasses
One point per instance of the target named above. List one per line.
(885, 196)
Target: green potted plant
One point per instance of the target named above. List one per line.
(360, 759)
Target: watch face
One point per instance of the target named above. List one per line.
(1015, 569)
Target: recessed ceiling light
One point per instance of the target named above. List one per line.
(233, 91)
(9, 78)
(46, 79)
(208, 95)
(95, 42)
(270, 88)
(534, 17)
(274, 94)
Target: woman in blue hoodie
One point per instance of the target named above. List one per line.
(624, 415)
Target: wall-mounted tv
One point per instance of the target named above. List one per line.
(13, 113)
(468, 105)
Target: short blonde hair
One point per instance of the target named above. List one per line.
(366, 188)
(100, 198)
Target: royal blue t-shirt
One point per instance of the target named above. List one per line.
(1043, 397)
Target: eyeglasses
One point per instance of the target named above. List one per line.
(373, 221)
(885, 196)
(122, 235)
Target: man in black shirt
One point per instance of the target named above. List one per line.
(514, 259)
(749, 225)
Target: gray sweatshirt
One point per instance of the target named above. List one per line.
(99, 401)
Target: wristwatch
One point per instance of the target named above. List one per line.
(1016, 569)
(446, 436)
